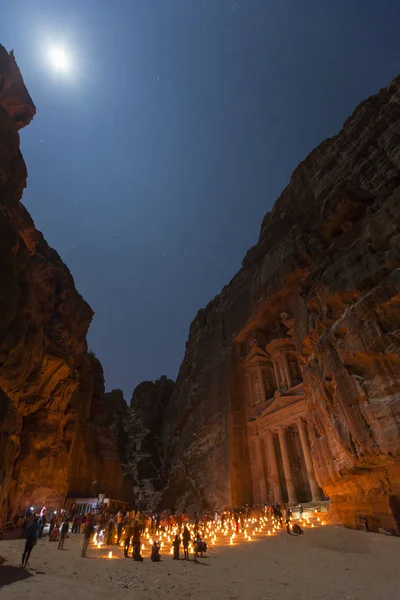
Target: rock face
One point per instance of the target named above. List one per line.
(98, 452)
(329, 256)
(48, 389)
(145, 424)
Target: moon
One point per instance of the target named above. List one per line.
(59, 59)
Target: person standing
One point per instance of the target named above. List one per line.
(43, 520)
(176, 544)
(127, 538)
(64, 532)
(120, 527)
(136, 542)
(32, 532)
(110, 532)
(89, 529)
(186, 540)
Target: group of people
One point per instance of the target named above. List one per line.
(129, 527)
(59, 527)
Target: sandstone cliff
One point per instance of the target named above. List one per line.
(47, 385)
(328, 254)
(98, 453)
(145, 425)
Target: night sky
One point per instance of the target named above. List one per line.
(153, 160)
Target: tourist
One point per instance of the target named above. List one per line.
(32, 532)
(83, 523)
(110, 532)
(43, 520)
(120, 527)
(176, 544)
(89, 529)
(76, 525)
(136, 543)
(186, 541)
(127, 538)
(301, 510)
(155, 552)
(201, 546)
(64, 532)
(297, 530)
(55, 532)
(29, 517)
(52, 524)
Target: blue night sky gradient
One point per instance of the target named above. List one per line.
(153, 164)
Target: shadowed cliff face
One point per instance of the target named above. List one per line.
(328, 254)
(44, 364)
(145, 451)
(98, 454)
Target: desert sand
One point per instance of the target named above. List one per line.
(329, 563)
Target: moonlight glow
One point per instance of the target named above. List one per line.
(59, 59)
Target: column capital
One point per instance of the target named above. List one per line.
(281, 429)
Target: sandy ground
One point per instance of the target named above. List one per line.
(329, 563)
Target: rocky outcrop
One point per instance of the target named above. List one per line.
(329, 255)
(47, 381)
(145, 450)
(98, 453)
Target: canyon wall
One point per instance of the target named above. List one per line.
(329, 255)
(145, 425)
(48, 389)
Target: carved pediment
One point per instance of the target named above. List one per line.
(256, 355)
(278, 402)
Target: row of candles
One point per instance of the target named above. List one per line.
(214, 533)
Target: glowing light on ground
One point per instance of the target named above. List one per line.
(220, 533)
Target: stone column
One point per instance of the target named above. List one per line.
(315, 493)
(286, 467)
(260, 469)
(276, 371)
(273, 471)
(250, 388)
(261, 383)
(286, 369)
(253, 466)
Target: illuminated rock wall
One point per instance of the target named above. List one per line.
(46, 376)
(329, 255)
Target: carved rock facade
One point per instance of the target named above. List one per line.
(323, 285)
(49, 393)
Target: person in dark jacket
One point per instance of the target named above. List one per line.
(89, 530)
(186, 540)
(32, 532)
(43, 521)
(176, 544)
(155, 552)
(136, 543)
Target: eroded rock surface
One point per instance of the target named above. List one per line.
(48, 390)
(328, 255)
(145, 450)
